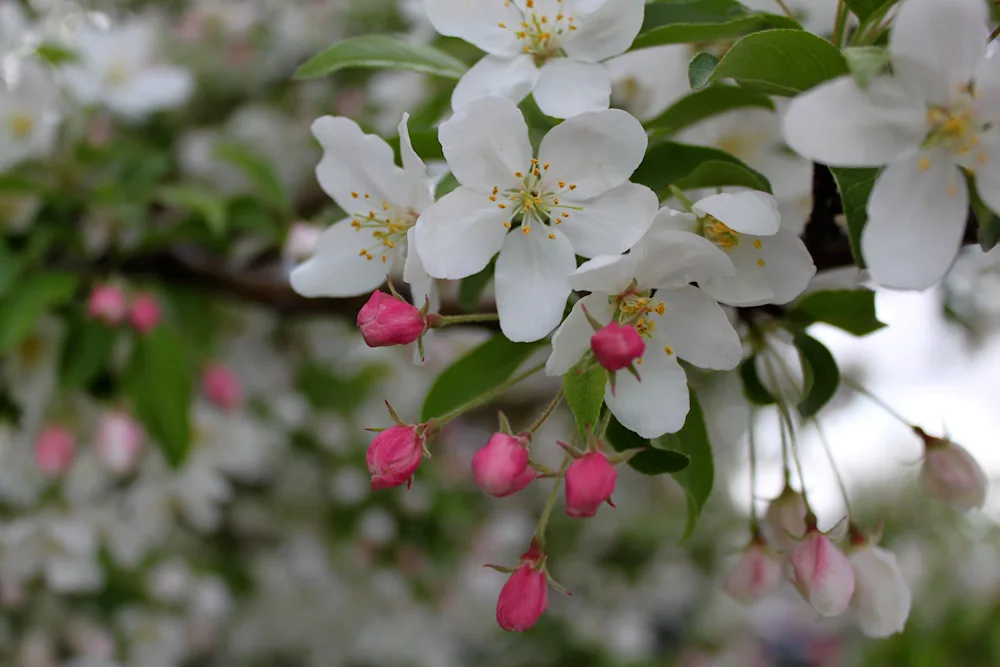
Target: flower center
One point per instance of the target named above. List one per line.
(21, 124)
(718, 233)
(117, 74)
(533, 200)
(540, 34)
(388, 227)
(638, 310)
(953, 127)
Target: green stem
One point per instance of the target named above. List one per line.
(553, 404)
(840, 24)
(833, 466)
(682, 198)
(876, 400)
(447, 320)
(784, 8)
(483, 399)
(602, 424)
(543, 521)
(993, 35)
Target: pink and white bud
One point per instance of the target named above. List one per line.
(301, 241)
(785, 519)
(395, 455)
(881, 594)
(119, 441)
(144, 313)
(822, 574)
(950, 474)
(55, 449)
(525, 596)
(616, 347)
(502, 466)
(756, 574)
(386, 320)
(590, 481)
(221, 386)
(107, 304)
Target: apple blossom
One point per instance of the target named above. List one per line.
(525, 596)
(756, 573)
(821, 573)
(107, 304)
(55, 449)
(676, 321)
(119, 441)
(929, 120)
(221, 386)
(395, 455)
(575, 198)
(388, 320)
(502, 466)
(144, 312)
(590, 481)
(646, 81)
(950, 474)
(881, 594)
(785, 519)
(552, 48)
(29, 116)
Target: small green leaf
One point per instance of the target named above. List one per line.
(425, 144)
(698, 478)
(700, 69)
(652, 461)
(851, 310)
(753, 388)
(86, 354)
(160, 385)
(692, 21)
(866, 62)
(34, 296)
(381, 52)
(705, 103)
(471, 289)
(584, 394)
(55, 53)
(687, 166)
(855, 187)
(865, 8)
(479, 371)
(821, 371)
(329, 391)
(720, 173)
(987, 222)
(781, 62)
(258, 171)
(198, 200)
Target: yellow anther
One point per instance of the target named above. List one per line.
(545, 19)
(638, 362)
(533, 161)
(518, 174)
(501, 205)
(389, 243)
(572, 27)
(669, 350)
(371, 215)
(552, 236)
(565, 215)
(384, 259)
(761, 263)
(536, 172)
(572, 186)
(354, 194)
(952, 190)
(525, 230)
(495, 189)
(362, 253)
(506, 223)
(546, 165)
(555, 201)
(924, 163)
(492, 198)
(981, 158)
(529, 4)
(660, 308)
(502, 25)
(527, 49)
(562, 184)
(757, 244)
(385, 206)
(559, 17)
(356, 224)
(367, 196)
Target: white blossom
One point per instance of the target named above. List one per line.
(29, 116)
(881, 594)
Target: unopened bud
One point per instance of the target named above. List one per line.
(395, 455)
(785, 519)
(525, 596)
(756, 573)
(502, 466)
(616, 347)
(144, 313)
(590, 481)
(881, 593)
(822, 574)
(107, 304)
(119, 441)
(950, 474)
(55, 449)
(386, 320)
(221, 386)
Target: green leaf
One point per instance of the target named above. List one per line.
(855, 186)
(159, 384)
(425, 144)
(652, 461)
(753, 388)
(702, 104)
(198, 200)
(691, 21)
(781, 62)
(584, 394)
(700, 69)
(258, 171)
(382, 52)
(670, 163)
(10, 267)
(479, 371)
(987, 222)
(696, 479)
(471, 289)
(34, 296)
(851, 310)
(865, 8)
(328, 391)
(55, 53)
(865, 62)
(822, 374)
(87, 353)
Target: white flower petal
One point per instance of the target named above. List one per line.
(673, 258)
(837, 124)
(414, 273)
(495, 76)
(988, 173)
(595, 151)
(612, 222)
(788, 266)
(477, 22)
(668, 219)
(356, 163)
(916, 220)
(567, 88)
(606, 32)
(880, 592)
(647, 81)
(459, 234)
(697, 329)
(337, 268)
(987, 100)
(486, 142)
(657, 404)
(416, 171)
(151, 90)
(572, 339)
(531, 284)
(749, 287)
(747, 211)
(610, 274)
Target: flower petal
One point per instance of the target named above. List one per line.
(337, 268)
(606, 32)
(788, 266)
(459, 234)
(747, 211)
(670, 219)
(572, 339)
(988, 172)
(531, 285)
(567, 88)
(416, 171)
(486, 142)
(512, 78)
(647, 81)
(657, 404)
(152, 89)
(356, 163)
(476, 22)
(697, 329)
(612, 222)
(595, 152)
(609, 274)
(674, 258)
(414, 273)
(837, 124)
(916, 220)
(749, 287)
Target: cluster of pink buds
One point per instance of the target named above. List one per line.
(616, 347)
(118, 442)
(109, 305)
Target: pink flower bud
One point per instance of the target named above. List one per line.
(107, 304)
(221, 386)
(395, 455)
(785, 519)
(881, 595)
(951, 475)
(590, 481)
(144, 313)
(119, 441)
(523, 599)
(616, 346)
(386, 320)
(54, 450)
(822, 574)
(756, 573)
(501, 467)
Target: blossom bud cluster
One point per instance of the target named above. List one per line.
(109, 305)
(117, 441)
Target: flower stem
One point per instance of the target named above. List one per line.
(553, 404)
(840, 24)
(439, 321)
(602, 424)
(485, 398)
(876, 400)
(543, 521)
(833, 466)
(784, 8)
